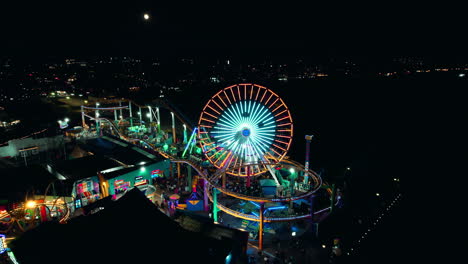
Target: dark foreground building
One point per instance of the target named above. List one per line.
(129, 230)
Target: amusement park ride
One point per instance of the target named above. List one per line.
(243, 135)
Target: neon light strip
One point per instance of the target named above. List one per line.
(254, 203)
(245, 91)
(213, 109)
(263, 95)
(224, 91)
(225, 105)
(210, 114)
(277, 108)
(233, 96)
(211, 121)
(281, 142)
(284, 124)
(218, 105)
(268, 99)
(274, 102)
(282, 118)
(258, 92)
(281, 112)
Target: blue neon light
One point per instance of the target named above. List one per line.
(254, 203)
(276, 208)
(2, 244)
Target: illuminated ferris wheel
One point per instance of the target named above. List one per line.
(245, 124)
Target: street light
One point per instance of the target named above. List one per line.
(31, 204)
(146, 16)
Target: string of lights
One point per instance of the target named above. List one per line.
(373, 225)
(30, 135)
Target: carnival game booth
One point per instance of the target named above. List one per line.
(143, 177)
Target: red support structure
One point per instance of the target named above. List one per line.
(260, 227)
(248, 177)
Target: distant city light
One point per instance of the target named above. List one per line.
(85, 101)
(461, 75)
(348, 168)
(146, 16)
(293, 233)
(377, 194)
(323, 246)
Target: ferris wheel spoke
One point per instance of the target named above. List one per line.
(279, 147)
(274, 102)
(266, 103)
(279, 106)
(281, 112)
(263, 95)
(258, 93)
(245, 91)
(285, 124)
(283, 118)
(233, 96)
(239, 93)
(211, 115)
(222, 109)
(221, 99)
(216, 111)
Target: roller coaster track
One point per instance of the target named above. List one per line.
(251, 198)
(164, 103)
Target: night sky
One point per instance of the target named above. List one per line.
(175, 27)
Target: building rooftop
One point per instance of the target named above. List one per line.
(125, 153)
(85, 167)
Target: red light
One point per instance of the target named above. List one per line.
(30, 74)
(56, 78)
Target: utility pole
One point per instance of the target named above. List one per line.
(308, 138)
